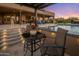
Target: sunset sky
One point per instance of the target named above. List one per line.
(64, 9)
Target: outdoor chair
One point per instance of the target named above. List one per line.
(55, 49)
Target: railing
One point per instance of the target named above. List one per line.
(10, 37)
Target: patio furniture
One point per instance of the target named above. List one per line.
(56, 49)
(32, 42)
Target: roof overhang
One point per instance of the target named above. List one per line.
(23, 8)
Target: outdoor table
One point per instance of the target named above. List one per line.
(32, 41)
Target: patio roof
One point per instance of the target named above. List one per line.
(37, 5)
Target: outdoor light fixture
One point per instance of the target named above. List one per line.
(53, 34)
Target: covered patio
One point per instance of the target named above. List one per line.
(14, 22)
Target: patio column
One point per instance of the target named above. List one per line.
(48, 17)
(20, 17)
(35, 15)
(54, 19)
(2, 18)
(12, 22)
(43, 18)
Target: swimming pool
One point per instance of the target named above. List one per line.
(72, 28)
